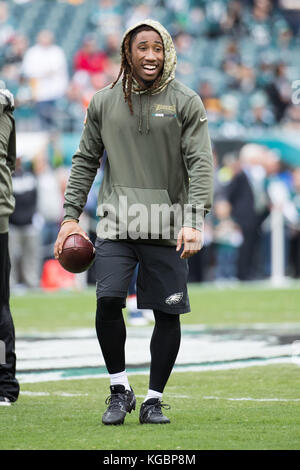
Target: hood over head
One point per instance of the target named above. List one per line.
(170, 58)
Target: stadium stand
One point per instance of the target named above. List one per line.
(236, 46)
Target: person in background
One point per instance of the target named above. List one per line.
(9, 386)
(280, 198)
(24, 241)
(295, 228)
(247, 195)
(227, 239)
(45, 66)
(48, 208)
(89, 57)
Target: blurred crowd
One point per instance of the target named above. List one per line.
(249, 186)
(241, 56)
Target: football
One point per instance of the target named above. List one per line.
(77, 254)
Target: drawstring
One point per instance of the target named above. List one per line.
(141, 114)
(148, 112)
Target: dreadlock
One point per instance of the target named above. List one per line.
(126, 67)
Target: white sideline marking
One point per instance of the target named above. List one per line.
(65, 394)
(251, 399)
(173, 395)
(57, 376)
(48, 394)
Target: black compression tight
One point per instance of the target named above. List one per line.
(164, 345)
(111, 332)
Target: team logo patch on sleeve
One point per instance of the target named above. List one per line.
(174, 298)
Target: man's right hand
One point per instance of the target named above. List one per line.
(68, 228)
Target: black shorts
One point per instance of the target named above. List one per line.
(162, 274)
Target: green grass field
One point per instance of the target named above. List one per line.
(61, 422)
(250, 408)
(210, 305)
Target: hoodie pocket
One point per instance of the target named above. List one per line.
(137, 213)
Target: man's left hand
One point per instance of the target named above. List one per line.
(192, 240)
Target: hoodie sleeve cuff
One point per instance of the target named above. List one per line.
(194, 218)
(71, 213)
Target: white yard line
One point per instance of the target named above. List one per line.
(65, 394)
(251, 399)
(54, 376)
(173, 395)
(48, 394)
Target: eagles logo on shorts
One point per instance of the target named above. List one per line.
(174, 298)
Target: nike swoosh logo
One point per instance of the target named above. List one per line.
(203, 119)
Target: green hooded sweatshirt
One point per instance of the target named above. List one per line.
(158, 174)
(7, 158)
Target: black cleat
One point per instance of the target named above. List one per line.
(119, 403)
(150, 412)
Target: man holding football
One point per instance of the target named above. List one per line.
(154, 130)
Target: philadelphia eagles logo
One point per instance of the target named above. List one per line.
(174, 298)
